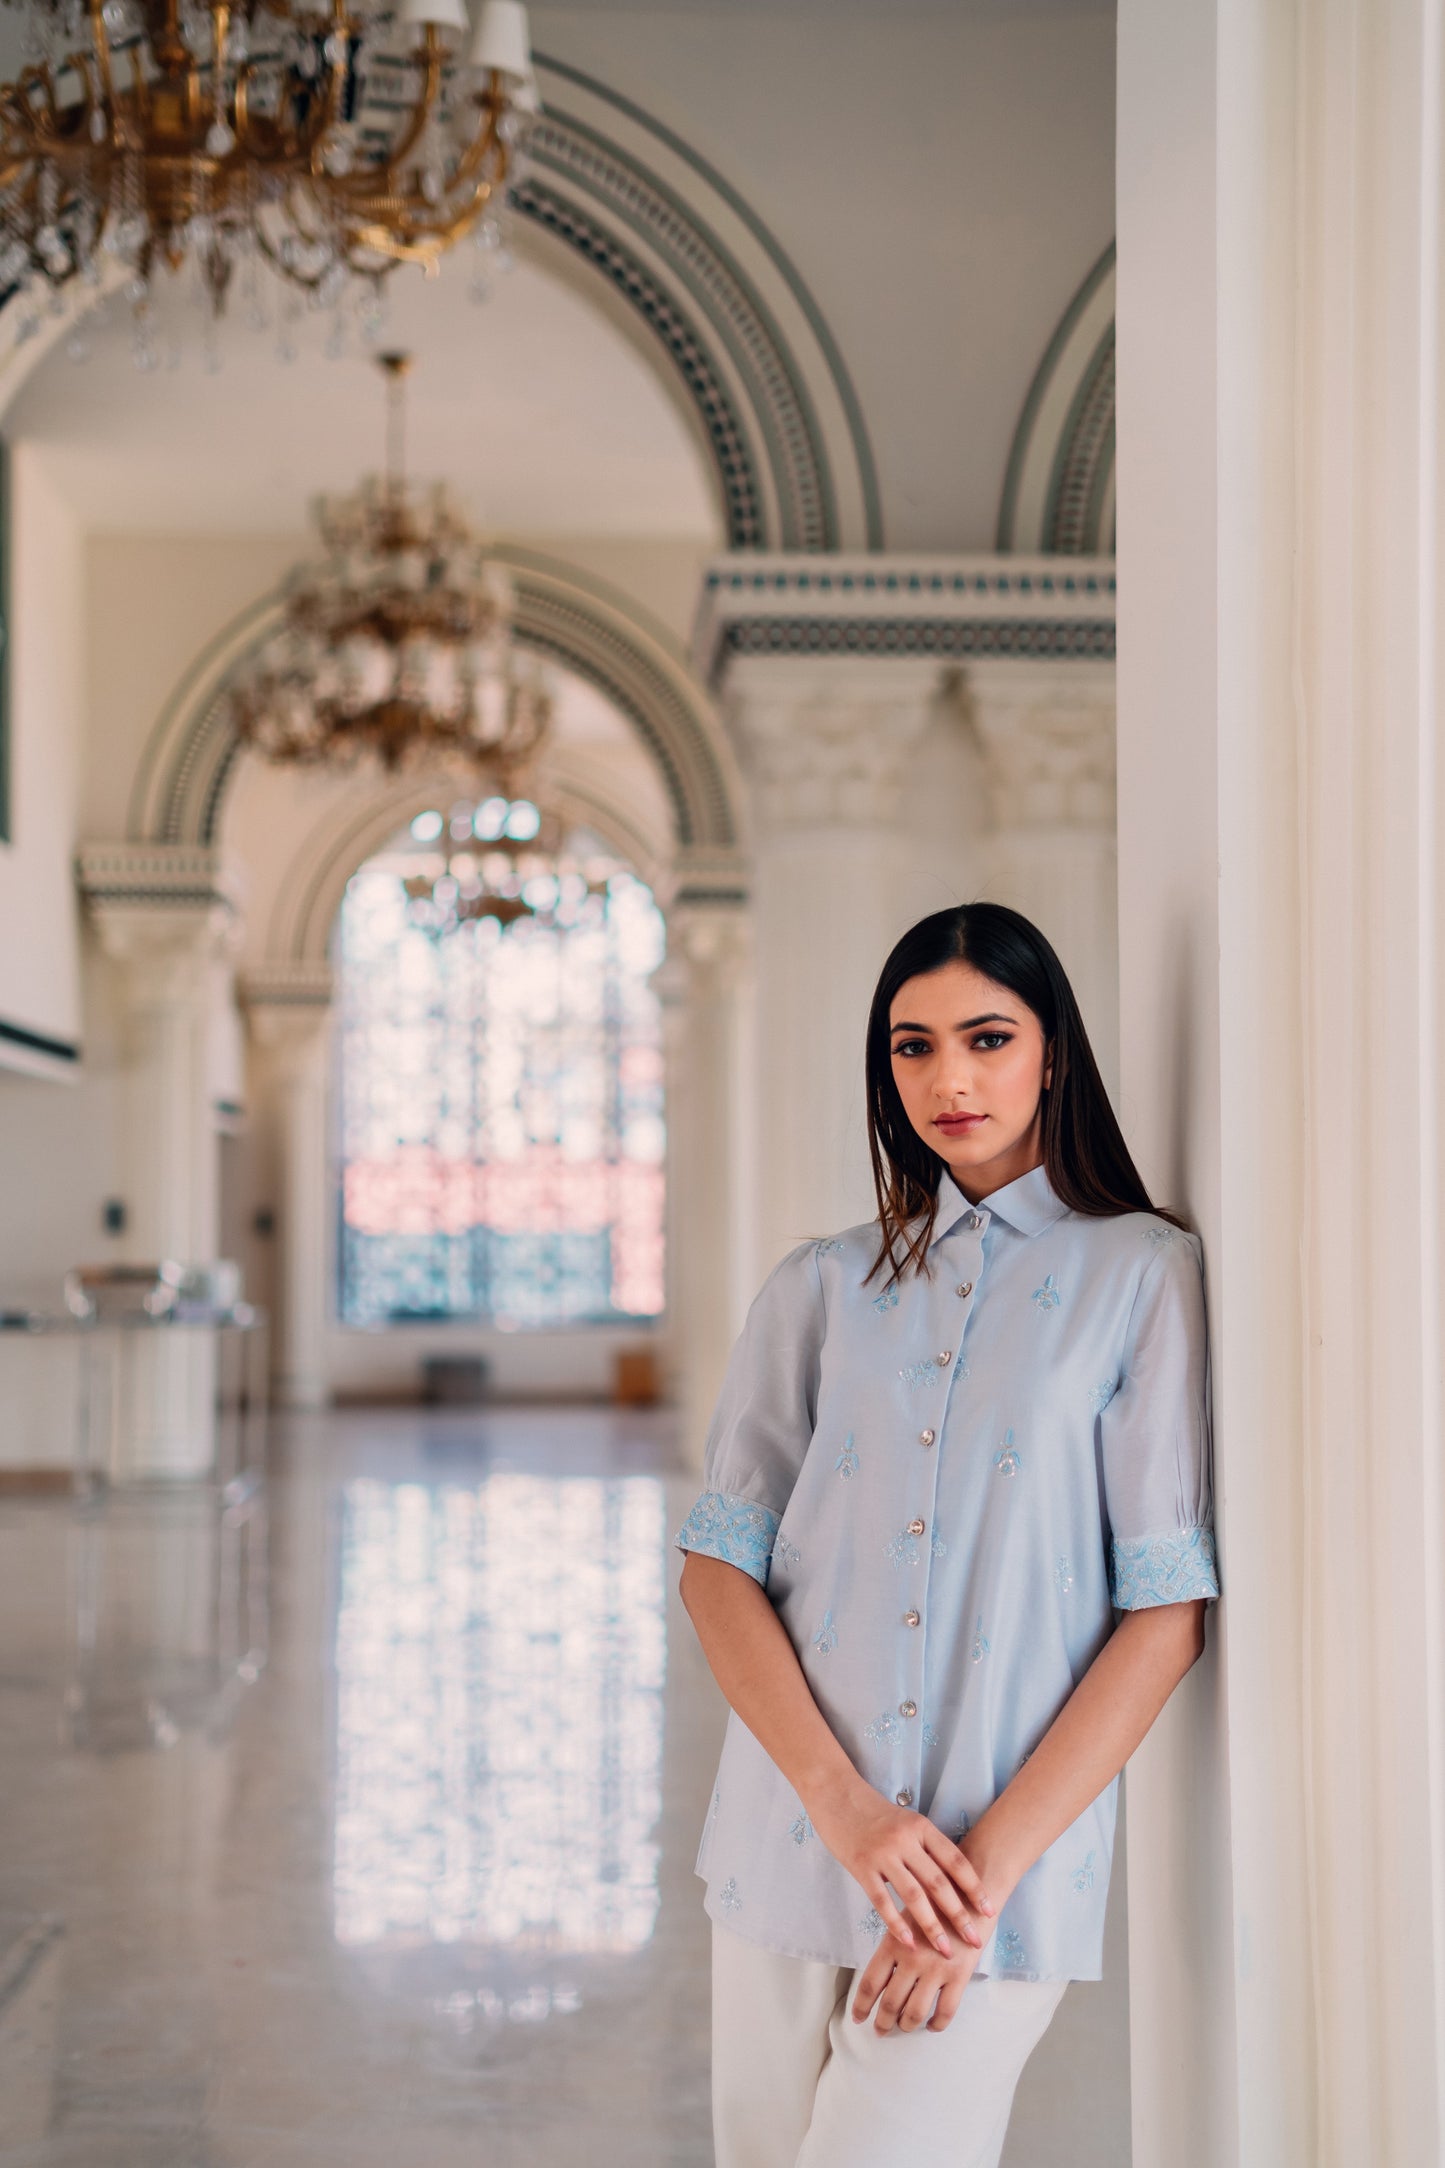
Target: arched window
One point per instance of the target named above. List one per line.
(500, 1077)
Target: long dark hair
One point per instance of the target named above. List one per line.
(1085, 1156)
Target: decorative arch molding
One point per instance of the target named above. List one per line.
(627, 204)
(1058, 497)
(754, 357)
(192, 755)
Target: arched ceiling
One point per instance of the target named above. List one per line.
(536, 407)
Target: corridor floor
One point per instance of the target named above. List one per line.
(422, 1895)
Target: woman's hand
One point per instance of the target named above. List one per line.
(912, 1989)
(880, 1843)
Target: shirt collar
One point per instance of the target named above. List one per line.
(1028, 1204)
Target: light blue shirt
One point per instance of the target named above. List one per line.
(947, 1485)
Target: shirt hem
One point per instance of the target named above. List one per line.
(850, 1963)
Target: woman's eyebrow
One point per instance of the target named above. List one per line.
(969, 1023)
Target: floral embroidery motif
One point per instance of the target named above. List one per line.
(1173, 1568)
(1162, 1236)
(930, 1736)
(888, 1300)
(785, 1553)
(800, 1829)
(962, 1830)
(847, 1461)
(1102, 1394)
(871, 1923)
(1008, 1461)
(825, 1640)
(903, 1549)
(882, 1729)
(1048, 1297)
(1063, 1575)
(916, 1374)
(827, 1249)
(981, 1642)
(732, 1529)
(728, 1896)
(1083, 1877)
(938, 1547)
(1009, 1948)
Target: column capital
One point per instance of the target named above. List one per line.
(826, 743)
(708, 947)
(1046, 732)
(288, 1007)
(160, 909)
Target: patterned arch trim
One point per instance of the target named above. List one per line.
(1058, 496)
(189, 763)
(755, 358)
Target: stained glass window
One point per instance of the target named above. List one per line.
(501, 1088)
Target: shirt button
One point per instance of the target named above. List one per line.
(905, 1797)
(965, 1287)
(908, 1708)
(945, 1354)
(911, 1618)
(974, 1220)
(926, 1437)
(915, 1528)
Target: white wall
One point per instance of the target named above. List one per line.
(39, 957)
(942, 179)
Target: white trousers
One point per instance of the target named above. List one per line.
(798, 2083)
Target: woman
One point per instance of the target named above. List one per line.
(951, 1559)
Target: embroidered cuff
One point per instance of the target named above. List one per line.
(1175, 1568)
(732, 1529)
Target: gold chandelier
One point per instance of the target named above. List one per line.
(397, 643)
(235, 133)
(507, 859)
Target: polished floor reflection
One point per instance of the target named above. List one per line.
(422, 1895)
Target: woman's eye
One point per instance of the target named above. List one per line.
(908, 1046)
(1000, 1038)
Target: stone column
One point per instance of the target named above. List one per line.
(827, 748)
(701, 984)
(289, 1011)
(1047, 734)
(1281, 324)
(163, 915)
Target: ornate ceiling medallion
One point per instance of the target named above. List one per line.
(329, 146)
(398, 643)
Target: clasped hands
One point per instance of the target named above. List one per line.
(917, 1974)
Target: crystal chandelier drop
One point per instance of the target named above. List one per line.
(505, 859)
(397, 644)
(330, 146)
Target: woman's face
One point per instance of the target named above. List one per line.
(969, 1061)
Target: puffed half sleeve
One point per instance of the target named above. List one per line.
(763, 1421)
(1155, 1435)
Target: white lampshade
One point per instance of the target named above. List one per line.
(501, 40)
(446, 14)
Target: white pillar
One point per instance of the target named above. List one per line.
(701, 987)
(827, 746)
(1281, 839)
(1047, 733)
(164, 917)
(289, 1011)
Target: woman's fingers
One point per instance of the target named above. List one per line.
(946, 1899)
(871, 1982)
(950, 1996)
(889, 1913)
(912, 1892)
(894, 1996)
(960, 1870)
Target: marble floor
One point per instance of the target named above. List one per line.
(419, 1894)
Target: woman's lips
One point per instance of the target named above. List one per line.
(957, 1125)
